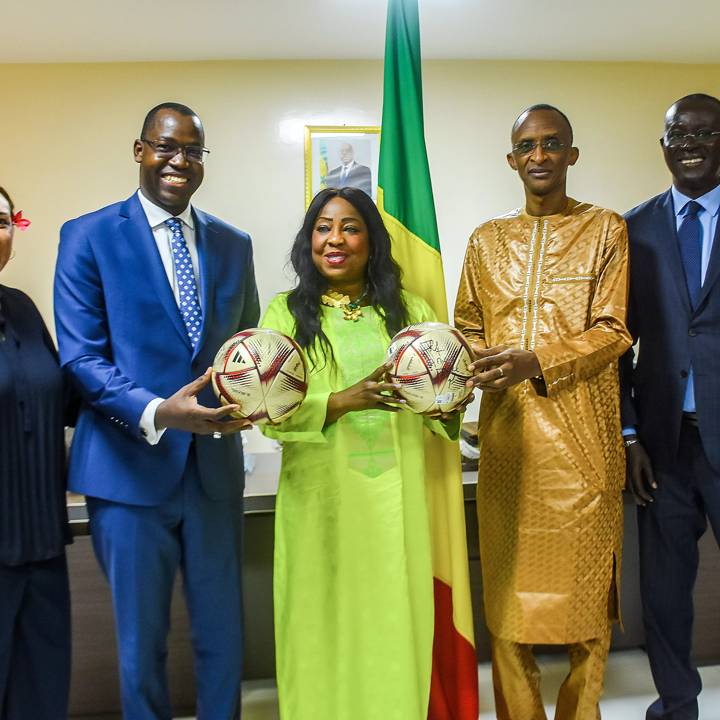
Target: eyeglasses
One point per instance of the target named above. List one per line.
(551, 145)
(166, 149)
(676, 139)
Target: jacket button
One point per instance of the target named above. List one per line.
(683, 373)
(692, 333)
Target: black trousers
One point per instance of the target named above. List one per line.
(34, 640)
(688, 495)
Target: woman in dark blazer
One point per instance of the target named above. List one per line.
(34, 592)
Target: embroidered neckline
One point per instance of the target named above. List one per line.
(533, 273)
(351, 308)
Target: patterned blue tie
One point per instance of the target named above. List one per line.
(188, 294)
(690, 238)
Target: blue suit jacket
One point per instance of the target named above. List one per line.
(672, 337)
(122, 338)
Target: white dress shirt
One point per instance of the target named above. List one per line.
(156, 217)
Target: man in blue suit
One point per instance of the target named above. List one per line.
(671, 399)
(146, 291)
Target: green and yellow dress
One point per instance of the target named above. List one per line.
(353, 584)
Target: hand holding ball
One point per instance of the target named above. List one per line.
(262, 371)
(430, 364)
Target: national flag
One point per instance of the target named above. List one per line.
(405, 199)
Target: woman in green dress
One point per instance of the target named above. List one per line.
(353, 586)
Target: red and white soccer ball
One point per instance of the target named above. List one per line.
(430, 364)
(262, 371)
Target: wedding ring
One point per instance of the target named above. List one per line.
(217, 435)
(502, 373)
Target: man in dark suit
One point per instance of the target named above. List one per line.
(146, 291)
(350, 173)
(671, 399)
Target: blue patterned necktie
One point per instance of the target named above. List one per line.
(690, 239)
(187, 288)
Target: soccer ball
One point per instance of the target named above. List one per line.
(430, 364)
(262, 371)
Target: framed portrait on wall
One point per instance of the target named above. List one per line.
(341, 155)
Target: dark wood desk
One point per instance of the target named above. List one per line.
(94, 687)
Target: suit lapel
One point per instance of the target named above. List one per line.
(671, 249)
(713, 270)
(135, 229)
(205, 237)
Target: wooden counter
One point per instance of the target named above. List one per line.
(95, 689)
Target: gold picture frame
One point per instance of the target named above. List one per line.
(329, 163)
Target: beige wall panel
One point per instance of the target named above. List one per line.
(67, 134)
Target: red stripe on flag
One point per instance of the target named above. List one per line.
(454, 682)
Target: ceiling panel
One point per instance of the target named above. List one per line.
(134, 30)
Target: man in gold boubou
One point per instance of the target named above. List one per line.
(543, 299)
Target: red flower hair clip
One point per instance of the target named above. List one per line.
(19, 221)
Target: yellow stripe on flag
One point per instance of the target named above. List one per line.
(443, 480)
(406, 202)
(421, 264)
(423, 275)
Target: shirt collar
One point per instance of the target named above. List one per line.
(710, 201)
(156, 215)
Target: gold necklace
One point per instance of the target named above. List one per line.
(351, 308)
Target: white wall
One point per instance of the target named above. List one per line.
(67, 134)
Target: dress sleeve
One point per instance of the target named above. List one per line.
(308, 422)
(468, 304)
(566, 361)
(628, 413)
(71, 398)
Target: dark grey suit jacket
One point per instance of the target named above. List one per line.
(673, 337)
(359, 177)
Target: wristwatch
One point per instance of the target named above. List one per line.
(627, 442)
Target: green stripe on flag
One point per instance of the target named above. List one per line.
(404, 173)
